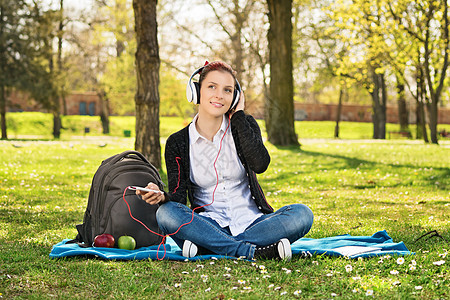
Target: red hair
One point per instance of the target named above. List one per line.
(216, 66)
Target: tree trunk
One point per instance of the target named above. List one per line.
(147, 69)
(338, 113)
(384, 101)
(435, 93)
(403, 116)
(60, 44)
(421, 122)
(279, 108)
(433, 115)
(2, 79)
(3, 112)
(57, 124)
(104, 111)
(379, 98)
(421, 130)
(375, 106)
(375, 116)
(236, 37)
(64, 103)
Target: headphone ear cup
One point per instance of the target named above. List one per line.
(193, 88)
(236, 95)
(193, 92)
(196, 89)
(189, 91)
(235, 99)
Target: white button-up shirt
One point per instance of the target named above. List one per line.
(232, 204)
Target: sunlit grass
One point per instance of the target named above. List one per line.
(28, 125)
(355, 187)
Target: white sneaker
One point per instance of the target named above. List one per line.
(279, 250)
(284, 249)
(189, 249)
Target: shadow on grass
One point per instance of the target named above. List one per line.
(342, 162)
(30, 140)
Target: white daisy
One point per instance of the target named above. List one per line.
(439, 262)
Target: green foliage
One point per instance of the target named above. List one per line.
(119, 78)
(353, 187)
(359, 26)
(321, 49)
(45, 74)
(120, 82)
(14, 43)
(26, 60)
(330, 93)
(173, 96)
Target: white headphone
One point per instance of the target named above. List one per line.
(193, 90)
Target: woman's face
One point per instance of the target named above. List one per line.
(216, 93)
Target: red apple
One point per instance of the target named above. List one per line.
(104, 240)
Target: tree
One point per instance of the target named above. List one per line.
(15, 51)
(361, 26)
(147, 71)
(239, 37)
(318, 52)
(26, 55)
(45, 84)
(173, 95)
(102, 54)
(403, 115)
(279, 108)
(405, 59)
(427, 23)
(117, 85)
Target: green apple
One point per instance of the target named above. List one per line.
(126, 242)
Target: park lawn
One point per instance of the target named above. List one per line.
(29, 125)
(32, 125)
(352, 186)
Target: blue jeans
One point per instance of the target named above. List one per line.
(291, 222)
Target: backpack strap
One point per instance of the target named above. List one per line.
(129, 154)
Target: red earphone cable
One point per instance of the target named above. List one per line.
(179, 173)
(192, 218)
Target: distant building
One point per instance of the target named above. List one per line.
(349, 112)
(89, 104)
(83, 104)
(75, 104)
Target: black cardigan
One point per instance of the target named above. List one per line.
(249, 146)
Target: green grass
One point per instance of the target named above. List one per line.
(32, 125)
(352, 186)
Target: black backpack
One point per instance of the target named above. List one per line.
(107, 212)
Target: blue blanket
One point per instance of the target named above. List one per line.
(378, 244)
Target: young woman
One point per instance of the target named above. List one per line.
(213, 162)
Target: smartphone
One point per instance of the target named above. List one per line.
(144, 189)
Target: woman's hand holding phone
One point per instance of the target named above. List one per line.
(153, 196)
